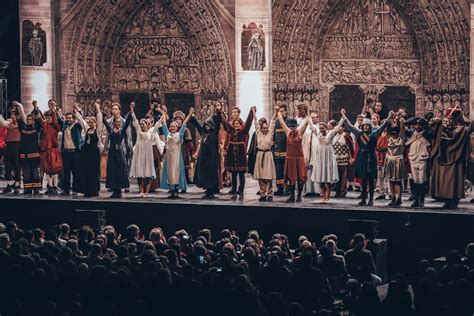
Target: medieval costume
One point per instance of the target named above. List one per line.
(418, 153)
(264, 167)
(187, 147)
(30, 155)
(344, 151)
(449, 160)
(173, 177)
(51, 160)
(381, 151)
(279, 156)
(394, 168)
(89, 164)
(72, 141)
(366, 162)
(295, 167)
(207, 171)
(324, 158)
(117, 168)
(309, 142)
(236, 159)
(12, 154)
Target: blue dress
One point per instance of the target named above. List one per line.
(173, 176)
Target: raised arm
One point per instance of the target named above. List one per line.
(303, 126)
(21, 109)
(80, 118)
(378, 131)
(3, 122)
(283, 124)
(134, 117)
(248, 122)
(126, 125)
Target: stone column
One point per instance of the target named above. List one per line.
(471, 72)
(37, 80)
(253, 87)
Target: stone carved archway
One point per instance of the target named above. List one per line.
(441, 32)
(98, 65)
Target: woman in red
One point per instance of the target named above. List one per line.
(236, 159)
(51, 161)
(295, 167)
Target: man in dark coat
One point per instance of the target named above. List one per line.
(207, 165)
(279, 152)
(449, 157)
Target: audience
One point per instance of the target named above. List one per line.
(61, 271)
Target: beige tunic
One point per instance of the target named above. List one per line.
(264, 164)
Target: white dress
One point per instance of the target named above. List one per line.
(143, 165)
(324, 158)
(264, 165)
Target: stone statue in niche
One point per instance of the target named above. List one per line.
(34, 44)
(253, 47)
(255, 52)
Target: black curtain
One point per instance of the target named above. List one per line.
(10, 45)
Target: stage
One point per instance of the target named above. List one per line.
(411, 233)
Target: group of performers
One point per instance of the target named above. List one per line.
(301, 155)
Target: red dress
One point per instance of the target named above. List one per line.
(295, 167)
(236, 144)
(51, 161)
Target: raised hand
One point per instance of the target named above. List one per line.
(77, 108)
(191, 111)
(97, 105)
(132, 106)
(343, 113)
(35, 104)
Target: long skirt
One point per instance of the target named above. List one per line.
(90, 170)
(117, 170)
(295, 170)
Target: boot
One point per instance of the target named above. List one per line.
(262, 199)
(393, 202)
(371, 202)
(292, 195)
(398, 202)
(234, 196)
(362, 202)
(300, 191)
(49, 190)
(16, 189)
(36, 191)
(279, 192)
(416, 200)
(116, 194)
(8, 189)
(421, 194)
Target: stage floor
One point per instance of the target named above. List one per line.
(194, 196)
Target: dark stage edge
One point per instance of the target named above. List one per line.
(412, 234)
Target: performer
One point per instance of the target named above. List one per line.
(51, 160)
(154, 115)
(187, 147)
(12, 150)
(418, 153)
(127, 139)
(72, 141)
(365, 163)
(295, 167)
(236, 159)
(174, 177)
(30, 151)
(309, 142)
(208, 168)
(264, 168)
(394, 168)
(449, 158)
(344, 151)
(324, 158)
(279, 151)
(89, 162)
(143, 167)
(381, 151)
(117, 169)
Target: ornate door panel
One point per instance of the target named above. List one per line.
(395, 97)
(351, 98)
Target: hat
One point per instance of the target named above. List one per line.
(429, 116)
(291, 122)
(453, 111)
(393, 129)
(209, 122)
(178, 114)
(367, 121)
(419, 120)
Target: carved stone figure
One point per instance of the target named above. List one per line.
(255, 53)
(36, 49)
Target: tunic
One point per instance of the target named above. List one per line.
(264, 168)
(173, 176)
(51, 160)
(29, 148)
(394, 168)
(208, 161)
(295, 169)
(366, 162)
(449, 161)
(418, 155)
(143, 165)
(324, 158)
(236, 159)
(117, 167)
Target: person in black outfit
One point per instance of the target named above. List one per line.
(360, 264)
